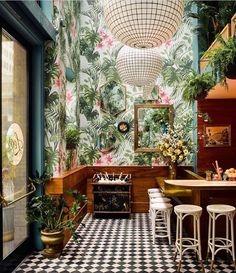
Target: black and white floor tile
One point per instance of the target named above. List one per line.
(119, 246)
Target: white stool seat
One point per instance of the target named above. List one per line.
(215, 244)
(160, 219)
(156, 194)
(182, 244)
(189, 209)
(220, 208)
(153, 190)
(160, 200)
(161, 206)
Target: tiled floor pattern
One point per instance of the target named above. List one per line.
(116, 245)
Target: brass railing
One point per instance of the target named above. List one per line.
(5, 203)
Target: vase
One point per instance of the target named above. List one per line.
(172, 170)
(53, 242)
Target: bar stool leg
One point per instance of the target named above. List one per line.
(213, 242)
(153, 220)
(232, 239)
(180, 239)
(199, 244)
(194, 233)
(177, 235)
(168, 212)
(209, 236)
(227, 230)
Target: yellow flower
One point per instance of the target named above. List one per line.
(173, 157)
(179, 143)
(170, 150)
(165, 153)
(185, 152)
(167, 145)
(177, 151)
(181, 158)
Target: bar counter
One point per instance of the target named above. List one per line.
(205, 193)
(202, 184)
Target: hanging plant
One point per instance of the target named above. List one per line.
(197, 86)
(223, 60)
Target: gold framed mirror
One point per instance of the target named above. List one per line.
(150, 122)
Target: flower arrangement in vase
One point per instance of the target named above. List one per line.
(174, 147)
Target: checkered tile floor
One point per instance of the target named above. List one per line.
(116, 245)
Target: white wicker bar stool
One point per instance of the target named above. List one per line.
(159, 197)
(216, 244)
(182, 244)
(160, 220)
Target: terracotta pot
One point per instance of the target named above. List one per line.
(53, 242)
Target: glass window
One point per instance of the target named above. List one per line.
(14, 141)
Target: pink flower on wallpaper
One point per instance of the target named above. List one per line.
(166, 100)
(109, 42)
(103, 34)
(97, 104)
(109, 158)
(162, 93)
(156, 102)
(69, 96)
(168, 43)
(98, 162)
(100, 45)
(58, 82)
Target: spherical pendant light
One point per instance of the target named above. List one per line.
(143, 24)
(138, 67)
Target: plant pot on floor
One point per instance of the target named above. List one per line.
(53, 242)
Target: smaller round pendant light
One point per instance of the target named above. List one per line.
(138, 67)
(143, 24)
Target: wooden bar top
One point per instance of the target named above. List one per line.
(202, 184)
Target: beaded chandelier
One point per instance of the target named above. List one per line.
(143, 24)
(138, 67)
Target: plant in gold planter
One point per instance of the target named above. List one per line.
(54, 216)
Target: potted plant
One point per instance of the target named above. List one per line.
(223, 60)
(197, 86)
(54, 216)
(72, 137)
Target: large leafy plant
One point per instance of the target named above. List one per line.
(53, 213)
(197, 86)
(221, 58)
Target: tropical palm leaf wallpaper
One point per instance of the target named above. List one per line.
(85, 62)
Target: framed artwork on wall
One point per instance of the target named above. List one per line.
(217, 135)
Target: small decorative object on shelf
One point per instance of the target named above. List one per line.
(112, 194)
(208, 175)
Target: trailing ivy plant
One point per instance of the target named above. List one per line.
(197, 86)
